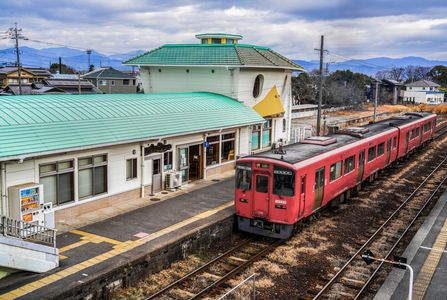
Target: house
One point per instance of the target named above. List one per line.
(112, 81)
(254, 75)
(423, 91)
(9, 75)
(72, 86)
(53, 86)
(389, 91)
(93, 149)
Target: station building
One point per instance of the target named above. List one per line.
(254, 75)
(205, 105)
(83, 148)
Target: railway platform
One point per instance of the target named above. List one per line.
(427, 254)
(111, 252)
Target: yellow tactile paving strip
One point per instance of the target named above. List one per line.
(119, 248)
(85, 239)
(425, 275)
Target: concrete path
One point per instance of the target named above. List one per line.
(427, 254)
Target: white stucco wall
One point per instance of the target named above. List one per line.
(198, 79)
(28, 171)
(423, 97)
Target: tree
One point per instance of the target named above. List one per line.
(304, 88)
(396, 73)
(439, 75)
(54, 68)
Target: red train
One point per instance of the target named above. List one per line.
(276, 189)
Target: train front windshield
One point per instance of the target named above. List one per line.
(283, 182)
(243, 176)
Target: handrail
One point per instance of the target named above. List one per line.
(27, 231)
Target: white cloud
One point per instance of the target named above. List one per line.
(128, 25)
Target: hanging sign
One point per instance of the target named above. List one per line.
(159, 148)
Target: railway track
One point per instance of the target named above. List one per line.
(354, 277)
(205, 279)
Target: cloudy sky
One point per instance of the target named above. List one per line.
(357, 28)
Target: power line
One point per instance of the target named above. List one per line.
(354, 60)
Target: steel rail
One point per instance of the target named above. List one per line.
(379, 230)
(365, 286)
(198, 270)
(237, 269)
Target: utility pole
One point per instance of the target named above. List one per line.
(375, 100)
(15, 33)
(60, 65)
(79, 83)
(320, 93)
(89, 52)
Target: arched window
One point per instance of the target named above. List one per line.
(257, 87)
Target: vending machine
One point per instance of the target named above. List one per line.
(26, 203)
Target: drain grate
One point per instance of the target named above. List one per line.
(164, 193)
(155, 199)
(215, 180)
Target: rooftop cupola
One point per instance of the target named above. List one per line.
(218, 38)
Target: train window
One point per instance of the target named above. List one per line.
(335, 171)
(371, 153)
(417, 132)
(243, 176)
(380, 149)
(395, 142)
(283, 182)
(262, 184)
(319, 178)
(427, 127)
(349, 164)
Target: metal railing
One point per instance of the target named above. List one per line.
(27, 231)
(236, 293)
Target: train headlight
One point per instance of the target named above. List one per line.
(243, 200)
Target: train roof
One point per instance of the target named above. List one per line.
(297, 152)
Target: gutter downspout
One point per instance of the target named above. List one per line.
(289, 112)
(142, 170)
(3, 189)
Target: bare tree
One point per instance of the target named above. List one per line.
(422, 72)
(382, 75)
(410, 73)
(396, 73)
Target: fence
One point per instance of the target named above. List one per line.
(27, 231)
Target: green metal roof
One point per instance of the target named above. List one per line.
(214, 54)
(44, 124)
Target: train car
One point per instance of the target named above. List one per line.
(276, 189)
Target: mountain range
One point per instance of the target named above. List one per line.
(78, 59)
(371, 66)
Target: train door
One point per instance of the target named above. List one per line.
(388, 151)
(261, 195)
(319, 188)
(302, 195)
(361, 166)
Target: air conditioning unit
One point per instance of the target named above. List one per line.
(173, 180)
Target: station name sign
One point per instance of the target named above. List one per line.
(158, 148)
